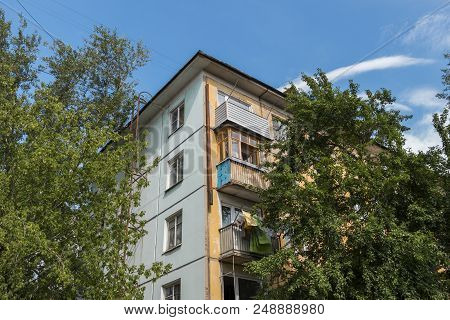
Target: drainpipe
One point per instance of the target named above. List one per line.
(160, 164)
(209, 198)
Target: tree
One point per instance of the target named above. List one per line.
(441, 122)
(67, 223)
(363, 218)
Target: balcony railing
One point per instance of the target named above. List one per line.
(235, 241)
(228, 111)
(231, 171)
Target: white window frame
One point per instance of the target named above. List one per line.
(177, 217)
(176, 115)
(235, 211)
(171, 286)
(174, 165)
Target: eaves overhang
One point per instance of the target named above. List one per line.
(203, 62)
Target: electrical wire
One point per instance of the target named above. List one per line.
(172, 61)
(77, 12)
(51, 12)
(173, 64)
(388, 42)
(20, 14)
(41, 26)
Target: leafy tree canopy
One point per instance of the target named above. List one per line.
(363, 218)
(67, 227)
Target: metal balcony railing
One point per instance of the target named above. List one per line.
(234, 240)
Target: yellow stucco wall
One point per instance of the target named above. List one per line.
(215, 287)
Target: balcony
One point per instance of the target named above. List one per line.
(229, 112)
(239, 178)
(236, 245)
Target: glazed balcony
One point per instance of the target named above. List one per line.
(232, 113)
(235, 245)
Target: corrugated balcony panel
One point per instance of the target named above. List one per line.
(221, 114)
(230, 112)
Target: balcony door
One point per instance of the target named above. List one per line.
(229, 214)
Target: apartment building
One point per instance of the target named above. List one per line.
(205, 125)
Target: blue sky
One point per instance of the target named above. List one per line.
(275, 41)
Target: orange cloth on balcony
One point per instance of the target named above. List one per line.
(249, 220)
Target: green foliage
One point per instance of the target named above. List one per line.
(67, 227)
(363, 218)
(442, 122)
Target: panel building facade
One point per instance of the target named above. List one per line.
(205, 125)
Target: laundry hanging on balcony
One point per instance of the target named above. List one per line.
(250, 221)
(260, 242)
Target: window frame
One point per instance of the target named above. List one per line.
(233, 212)
(179, 119)
(177, 218)
(171, 286)
(230, 143)
(179, 169)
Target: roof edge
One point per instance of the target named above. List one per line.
(226, 65)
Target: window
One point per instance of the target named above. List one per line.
(222, 97)
(229, 214)
(174, 231)
(226, 216)
(222, 141)
(172, 291)
(246, 289)
(241, 145)
(244, 147)
(228, 288)
(177, 117)
(175, 169)
(279, 128)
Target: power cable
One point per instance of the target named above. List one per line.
(35, 22)
(42, 27)
(56, 15)
(20, 14)
(77, 12)
(97, 22)
(388, 42)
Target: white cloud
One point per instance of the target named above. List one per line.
(381, 63)
(395, 105)
(431, 31)
(376, 64)
(426, 120)
(422, 141)
(399, 106)
(423, 97)
(422, 135)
